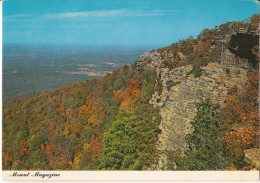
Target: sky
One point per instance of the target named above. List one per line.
(116, 22)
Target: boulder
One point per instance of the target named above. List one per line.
(252, 157)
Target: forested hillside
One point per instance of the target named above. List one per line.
(127, 120)
(99, 124)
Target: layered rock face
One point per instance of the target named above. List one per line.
(180, 88)
(181, 92)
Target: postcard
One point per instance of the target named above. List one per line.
(141, 90)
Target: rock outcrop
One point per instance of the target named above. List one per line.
(245, 45)
(180, 92)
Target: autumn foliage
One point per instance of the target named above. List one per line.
(242, 116)
(64, 129)
(94, 109)
(202, 47)
(127, 97)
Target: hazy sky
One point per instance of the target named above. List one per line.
(116, 22)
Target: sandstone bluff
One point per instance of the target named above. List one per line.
(182, 91)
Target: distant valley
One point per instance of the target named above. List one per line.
(28, 69)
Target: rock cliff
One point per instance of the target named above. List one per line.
(180, 91)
